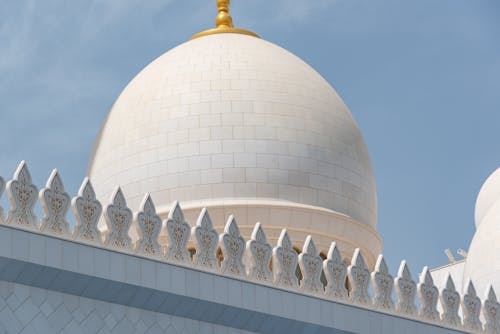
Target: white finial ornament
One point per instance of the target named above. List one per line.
(450, 301)
(359, 277)
(148, 228)
(260, 253)
(178, 232)
(2, 188)
(55, 203)
(336, 273)
(118, 219)
(22, 195)
(382, 285)
(206, 241)
(406, 290)
(428, 295)
(310, 264)
(233, 247)
(285, 262)
(491, 312)
(471, 308)
(87, 210)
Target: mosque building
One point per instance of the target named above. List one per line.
(229, 190)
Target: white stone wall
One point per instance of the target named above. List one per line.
(25, 309)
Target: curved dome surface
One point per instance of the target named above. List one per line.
(488, 195)
(230, 117)
(483, 259)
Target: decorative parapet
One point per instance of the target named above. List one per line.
(285, 263)
(87, 210)
(148, 229)
(282, 264)
(2, 188)
(335, 273)
(55, 203)
(310, 264)
(382, 283)
(206, 239)
(178, 232)
(118, 219)
(471, 309)
(491, 312)
(450, 302)
(428, 295)
(406, 290)
(22, 195)
(259, 254)
(233, 246)
(359, 279)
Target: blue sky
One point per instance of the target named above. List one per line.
(421, 77)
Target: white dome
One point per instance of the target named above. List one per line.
(230, 120)
(488, 195)
(483, 259)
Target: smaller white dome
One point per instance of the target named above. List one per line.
(488, 195)
(482, 265)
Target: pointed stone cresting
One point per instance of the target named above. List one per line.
(285, 260)
(491, 312)
(148, 228)
(259, 254)
(450, 302)
(233, 248)
(206, 242)
(310, 264)
(2, 188)
(428, 295)
(336, 274)
(178, 232)
(471, 309)
(359, 279)
(22, 196)
(55, 203)
(406, 290)
(87, 210)
(118, 219)
(383, 284)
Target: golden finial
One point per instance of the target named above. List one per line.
(224, 22)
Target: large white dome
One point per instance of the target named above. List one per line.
(238, 124)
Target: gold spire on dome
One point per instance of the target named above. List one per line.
(224, 23)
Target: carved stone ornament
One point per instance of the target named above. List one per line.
(336, 273)
(471, 309)
(178, 232)
(310, 264)
(406, 290)
(148, 229)
(491, 313)
(428, 295)
(359, 278)
(2, 188)
(285, 262)
(259, 253)
(382, 283)
(22, 195)
(450, 302)
(87, 211)
(206, 242)
(118, 219)
(55, 203)
(233, 247)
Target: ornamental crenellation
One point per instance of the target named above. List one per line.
(253, 260)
